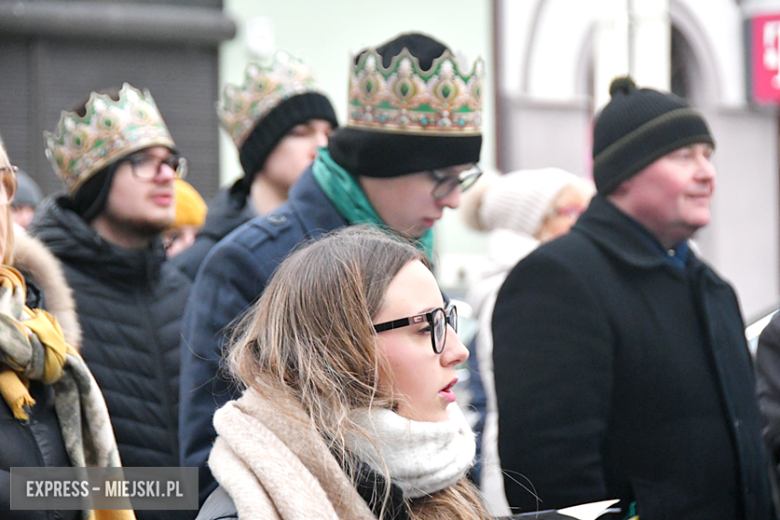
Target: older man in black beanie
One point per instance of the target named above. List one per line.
(410, 147)
(621, 366)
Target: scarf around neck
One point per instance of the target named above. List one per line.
(347, 196)
(32, 347)
(421, 457)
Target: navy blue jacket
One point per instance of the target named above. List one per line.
(227, 211)
(619, 375)
(231, 278)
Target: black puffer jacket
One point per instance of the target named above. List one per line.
(130, 305)
(227, 211)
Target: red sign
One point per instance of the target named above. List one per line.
(765, 51)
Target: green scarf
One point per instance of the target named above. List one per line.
(345, 193)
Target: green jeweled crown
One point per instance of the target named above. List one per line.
(264, 88)
(108, 131)
(403, 98)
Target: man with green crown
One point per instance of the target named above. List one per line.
(409, 149)
(118, 162)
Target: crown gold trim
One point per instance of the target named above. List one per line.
(108, 131)
(403, 98)
(264, 88)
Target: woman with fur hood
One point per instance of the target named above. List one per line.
(52, 413)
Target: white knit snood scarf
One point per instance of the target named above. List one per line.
(422, 457)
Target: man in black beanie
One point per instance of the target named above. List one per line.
(277, 119)
(410, 147)
(621, 366)
(118, 162)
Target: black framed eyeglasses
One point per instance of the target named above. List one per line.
(446, 183)
(8, 178)
(438, 320)
(140, 160)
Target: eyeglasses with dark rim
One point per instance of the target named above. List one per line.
(446, 183)
(438, 320)
(8, 178)
(140, 160)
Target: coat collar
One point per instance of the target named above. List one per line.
(313, 206)
(227, 210)
(71, 239)
(622, 236)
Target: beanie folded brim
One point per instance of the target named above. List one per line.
(646, 144)
(276, 124)
(372, 153)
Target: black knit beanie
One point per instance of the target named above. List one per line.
(274, 126)
(637, 127)
(376, 153)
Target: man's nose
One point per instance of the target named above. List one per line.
(320, 138)
(165, 173)
(705, 170)
(452, 199)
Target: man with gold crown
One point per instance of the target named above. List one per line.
(277, 120)
(410, 147)
(118, 162)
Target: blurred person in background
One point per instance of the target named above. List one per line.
(28, 196)
(118, 163)
(277, 119)
(768, 383)
(52, 413)
(348, 411)
(520, 210)
(191, 213)
(410, 147)
(621, 365)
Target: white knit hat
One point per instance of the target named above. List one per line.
(518, 200)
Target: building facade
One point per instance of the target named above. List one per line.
(549, 56)
(54, 53)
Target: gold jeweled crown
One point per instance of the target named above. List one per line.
(108, 131)
(264, 88)
(403, 98)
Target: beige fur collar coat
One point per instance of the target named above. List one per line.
(36, 262)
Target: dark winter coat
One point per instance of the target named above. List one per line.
(370, 486)
(768, 375)
(130, 304)
(229, 209)
(233, 276)
(620, 375)
(37, 442)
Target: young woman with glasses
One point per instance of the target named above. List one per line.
(348, 363)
